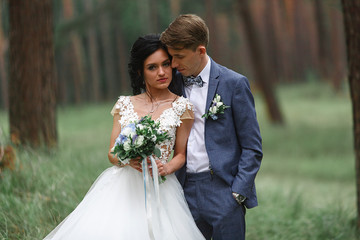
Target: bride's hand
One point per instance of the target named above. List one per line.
(162, 168)
(136, 164)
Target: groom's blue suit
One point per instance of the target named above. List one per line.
(233, 141)
(233, 145)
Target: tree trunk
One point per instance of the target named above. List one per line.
(289, 19)
(94, 57)
(222, 24)
(261, 77)
(31, 88)
(154, 13)
(271, 38)
(338, 50)
(323, 39)
(121, 48)
(351, 10)
(300, 41)
(74, 54)
(3, 70)
(175, 8)
(108, 56)
(211, 22)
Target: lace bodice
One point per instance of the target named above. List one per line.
(169, 119)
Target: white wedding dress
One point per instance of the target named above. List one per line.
(114, 207)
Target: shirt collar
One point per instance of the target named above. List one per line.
(205, 73)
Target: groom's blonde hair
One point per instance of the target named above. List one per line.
(186, 31)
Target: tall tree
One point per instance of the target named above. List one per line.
(211, 22)
(258, 64)
(3, 72)
(74, 54)
(272, 49)
(108, 56)
(351, 10)
(338, 49)
(31, 88)
(122, 65)
(323, 36)
(154, 13)
(94, 56)
(175, 8)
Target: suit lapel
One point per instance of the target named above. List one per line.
(213, 83)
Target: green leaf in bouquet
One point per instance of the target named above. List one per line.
(157, 152)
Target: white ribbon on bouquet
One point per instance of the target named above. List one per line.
(148, 196)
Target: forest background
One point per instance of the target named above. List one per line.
(296, 41)
(292, 51)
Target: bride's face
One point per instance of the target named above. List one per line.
(157, 70)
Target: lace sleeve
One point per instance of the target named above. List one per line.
(115, 110)
(188, 114)
(117, 107)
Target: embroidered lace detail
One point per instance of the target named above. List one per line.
(126, 110)
(169, 120)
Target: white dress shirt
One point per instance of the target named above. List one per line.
(197, 158)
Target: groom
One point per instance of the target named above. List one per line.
(224, 149)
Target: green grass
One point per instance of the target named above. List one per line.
(306, 184)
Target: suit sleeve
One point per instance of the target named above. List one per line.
(248, 135)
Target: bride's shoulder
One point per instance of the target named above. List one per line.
(185, 101)
(121, 104)
(183, 104)
(123, 98)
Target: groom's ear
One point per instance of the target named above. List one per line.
(201, 49)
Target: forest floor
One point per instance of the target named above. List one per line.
(306, 184)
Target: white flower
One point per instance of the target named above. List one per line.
(217, 98)
(219, 104)
(127, 145)
(138, 142)
(128, 131)
(140, 126)
(213, 109)
(153, 138)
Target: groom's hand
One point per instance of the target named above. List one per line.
(239, 198)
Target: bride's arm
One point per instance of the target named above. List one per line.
(182, 134)
(134, 163)
(114, 134)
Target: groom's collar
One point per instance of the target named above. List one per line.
(205, 73)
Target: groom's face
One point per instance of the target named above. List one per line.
(186, 61)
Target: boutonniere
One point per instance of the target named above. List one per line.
(217, 107)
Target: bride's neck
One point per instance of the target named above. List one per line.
(160, 95)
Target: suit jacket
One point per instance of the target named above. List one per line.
(233, 141)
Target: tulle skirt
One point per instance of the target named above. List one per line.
(114, 208)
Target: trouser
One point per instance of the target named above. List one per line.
(215, 211)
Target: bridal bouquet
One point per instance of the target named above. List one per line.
(139, 139)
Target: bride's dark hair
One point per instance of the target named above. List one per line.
(142, 49)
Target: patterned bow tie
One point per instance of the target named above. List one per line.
(188, 81)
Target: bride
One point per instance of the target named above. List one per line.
(114, 207)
